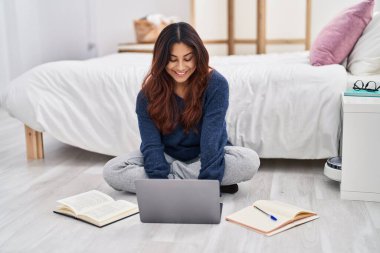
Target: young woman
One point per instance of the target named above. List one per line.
(181, 112)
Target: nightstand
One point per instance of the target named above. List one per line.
(361, 149)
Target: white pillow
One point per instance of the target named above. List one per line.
(365, 57)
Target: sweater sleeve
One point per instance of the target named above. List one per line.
(152, 148)
(214, 133)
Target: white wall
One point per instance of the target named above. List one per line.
(114, 19)
(38, 31)
(4, 66)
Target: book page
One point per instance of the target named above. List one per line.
(85, 201)
(109, 210)
(256, 219)
(293, 224)
(275, 207)
(253, 218)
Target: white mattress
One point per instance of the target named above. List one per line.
(279, 105)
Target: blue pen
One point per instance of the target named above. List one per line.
(271, 216)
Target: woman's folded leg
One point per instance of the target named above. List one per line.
(240, 164)
(122, 171)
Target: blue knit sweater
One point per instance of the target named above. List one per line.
(208, 143)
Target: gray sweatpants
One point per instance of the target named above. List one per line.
(122, 171)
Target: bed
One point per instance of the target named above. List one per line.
(280, 105)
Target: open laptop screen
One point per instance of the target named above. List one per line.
(179, 201)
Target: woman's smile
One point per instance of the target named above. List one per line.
(181, 63)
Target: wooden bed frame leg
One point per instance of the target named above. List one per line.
(34, 144)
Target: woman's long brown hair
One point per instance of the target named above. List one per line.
(158, 85)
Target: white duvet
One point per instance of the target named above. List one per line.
(280, 106)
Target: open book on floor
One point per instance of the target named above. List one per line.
(96, 208)
(270, 217)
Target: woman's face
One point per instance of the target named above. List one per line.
(181, 63)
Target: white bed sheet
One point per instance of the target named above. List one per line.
(279, 105)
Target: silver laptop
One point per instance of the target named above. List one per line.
(179, 201)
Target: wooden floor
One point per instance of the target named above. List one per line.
(29, 190)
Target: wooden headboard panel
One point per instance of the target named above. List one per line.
(261, 40)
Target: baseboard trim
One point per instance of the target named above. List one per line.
(365, 196)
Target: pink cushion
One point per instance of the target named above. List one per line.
(336, 40)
